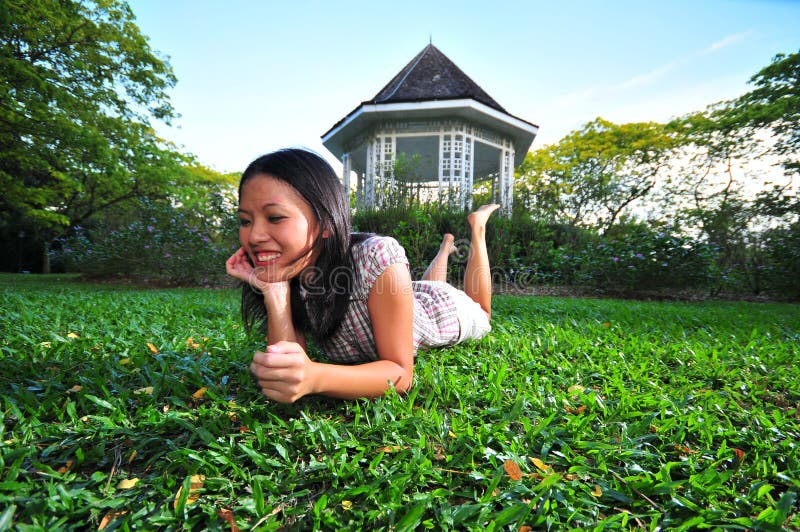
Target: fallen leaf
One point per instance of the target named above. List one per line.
(682, 449)
(110, 516)
(512, 470)
(65, 468)
(525, 528)
(347, 505)
(190, 343)
(392, 448)
(227, 515)
(577, 411)
(153, 349)
(576, 389)
(132, 455)
(607, 325)
(72, 335)
(200, 393)
(147, 390)
(195, 486)
(124, 361)
(739, 454)
(244, 428)
(127, 483)
(451, 434)
(75, 389)
(597, 492)
(541, 466)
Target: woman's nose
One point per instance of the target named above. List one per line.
(260, 232)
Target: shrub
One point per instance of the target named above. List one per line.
(165, 244)
(518, 246)
(636, 257)
(780, 271)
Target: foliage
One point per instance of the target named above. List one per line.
(78, 92)
(780, 268)
(774, 103)
(134, 409)
(591, 176)
(636, 257)
(163, 243)
(519, 246)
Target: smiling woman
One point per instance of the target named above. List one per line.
(304, 272)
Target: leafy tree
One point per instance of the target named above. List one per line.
(80, 86)
(593, 175)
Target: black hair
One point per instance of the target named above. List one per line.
(328, 286)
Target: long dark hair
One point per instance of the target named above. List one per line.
(328, 286)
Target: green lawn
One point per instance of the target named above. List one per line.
(573, 413)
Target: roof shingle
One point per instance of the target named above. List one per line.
(432, 76)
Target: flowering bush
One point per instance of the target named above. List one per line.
(165, 244)
(635, 257)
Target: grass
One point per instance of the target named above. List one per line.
(572, 414)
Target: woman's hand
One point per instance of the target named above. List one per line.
(240, 268)
(284, 372)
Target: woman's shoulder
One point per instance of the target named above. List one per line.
(371, 244)
(375, 253)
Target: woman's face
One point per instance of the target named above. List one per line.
(277, 228)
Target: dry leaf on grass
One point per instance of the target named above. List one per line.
(153, 349)
(512, 470)
(200, 393)
(127, 483)
(110, 516)
(196, 485)
(541, 466)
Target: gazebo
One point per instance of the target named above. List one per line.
(437, 124)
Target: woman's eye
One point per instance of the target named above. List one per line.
(243, 222)
(275, 219)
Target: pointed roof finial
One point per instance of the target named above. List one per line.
(430, 38)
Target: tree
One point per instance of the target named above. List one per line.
(80, 86)
(593, 175)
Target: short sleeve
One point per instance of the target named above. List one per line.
(379, 254)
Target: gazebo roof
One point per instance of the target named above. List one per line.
(431, 75)
(431, 86)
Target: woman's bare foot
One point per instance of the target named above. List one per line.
(447, 244)
(479, 217)
(437, 270)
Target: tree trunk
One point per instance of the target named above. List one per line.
(45, 257)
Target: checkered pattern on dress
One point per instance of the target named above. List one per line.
(435, 319)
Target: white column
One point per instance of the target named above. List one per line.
(346, 173)
(441, 164)
(371, 177)
(469, 146)
(506, 178)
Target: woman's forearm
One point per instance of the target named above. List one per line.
(279, 318)
(369, 380)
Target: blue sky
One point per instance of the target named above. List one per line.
(255, 76)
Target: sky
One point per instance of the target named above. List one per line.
(256, 76)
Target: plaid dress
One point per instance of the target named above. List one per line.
(435, 320)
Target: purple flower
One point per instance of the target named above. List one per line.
(150, 228)
(67, 250)
(167, 255)
(615, 259)
(639, 256)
